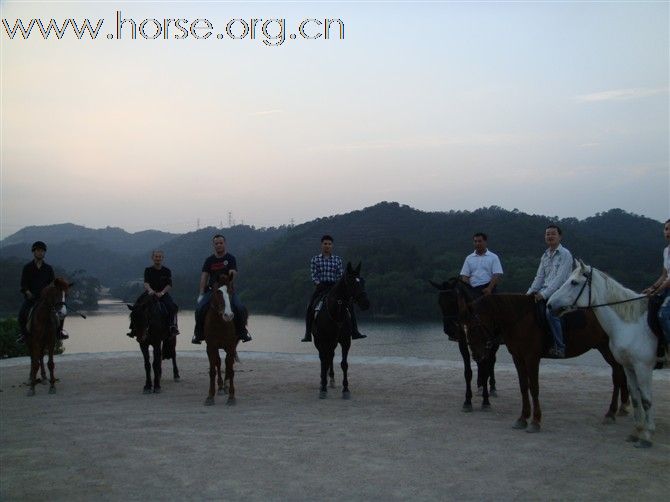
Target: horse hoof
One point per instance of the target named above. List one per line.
(332, 384)
(52, 390)
(609, 420)
(177, 379)
(221, 392)
(533, 427)
(147, 390)
(157, 390)
(643, 443)
(493, 393)
(480, 391)
(231, 401)
(520, 424)
(346, 394)
(486, 407)
(209, 401)
(467, 408)
(623, 412)
(43, 381)
(323, 394)
(632, 438)
(31, 392)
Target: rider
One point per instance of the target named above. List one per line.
(659, 307)
(36, 275)
(219, 262)
(482, 269)
(326, 269)
(158, 282)
(555, 268)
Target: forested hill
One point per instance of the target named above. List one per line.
(401, 249)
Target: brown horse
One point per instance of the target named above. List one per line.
(150, 327)
(45, 322)
(514, 317)
(220, 334)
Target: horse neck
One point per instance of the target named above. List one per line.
(613, 318)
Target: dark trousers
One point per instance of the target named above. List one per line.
(320, 290)
(169, 305)
(23, 314)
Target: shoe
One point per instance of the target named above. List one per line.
(357, 335)
(174, 330)
(245, 337)
(557, 353)
(130, 334)
(307, 337)
(62, 335)
(195, 340)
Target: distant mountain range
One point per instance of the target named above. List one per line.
(400, 247)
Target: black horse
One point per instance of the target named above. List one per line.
(454, 299)
(332, 324)
(149, 325)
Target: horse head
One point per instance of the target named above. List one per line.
(355, 286)
(54, 296)
(575, 292)
(481, 329)
(453, 300)
(221, 298)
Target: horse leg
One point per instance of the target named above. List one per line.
(43, 373)
(492, 378)
(345, 367)
(331, 377)
(326, 356)
(157, 368)
(467, 373)
(34, 367)
(522, 421)
(212, 354)
(624, 408)
(175, 370)
(616, 384)
(636, 398)
(533, 365)
(644, 380)
(223, 384)
(230, 375)
(483, 370)
(147, 367)
(51, 366)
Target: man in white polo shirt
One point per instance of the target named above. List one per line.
(482, 269)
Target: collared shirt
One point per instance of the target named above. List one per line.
(555, 268)
(481, 268)
(35, 279)
(326, 269)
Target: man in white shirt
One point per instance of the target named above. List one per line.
(555, 268)
(482, 269)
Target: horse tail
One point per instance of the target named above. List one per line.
(169, 348)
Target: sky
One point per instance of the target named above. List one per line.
(555, 108)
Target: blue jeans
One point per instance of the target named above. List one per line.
(556, 330)
(664, 316)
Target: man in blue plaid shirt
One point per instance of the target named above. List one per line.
(326, 269)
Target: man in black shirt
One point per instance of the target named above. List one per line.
(36, 275)
(158, 282)
(220, 262)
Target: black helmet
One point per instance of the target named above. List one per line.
(39, 245)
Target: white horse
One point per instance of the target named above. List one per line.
(631, 341)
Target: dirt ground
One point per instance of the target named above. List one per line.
(402, 436)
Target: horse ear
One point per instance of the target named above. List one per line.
(358, 268)
(582, 265)
(70, 284)
(130, 307)
(349, 267)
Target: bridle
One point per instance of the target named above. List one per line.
(588, 282)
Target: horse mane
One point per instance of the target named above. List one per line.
(616, 292)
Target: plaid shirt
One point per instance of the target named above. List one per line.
(326, 269)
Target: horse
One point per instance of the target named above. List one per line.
(623, 315)
(454, 297)
(514, 317)
(47, 315)
(220, 334)
(332, 324)
(150, 328)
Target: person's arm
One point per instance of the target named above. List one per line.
(204, 279)
(147, 286)
(659, 284)
(314, 271)
(167, 287)
(465, 272)
(495, 280)
(25, 283)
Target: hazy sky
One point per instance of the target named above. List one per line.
(551, 108)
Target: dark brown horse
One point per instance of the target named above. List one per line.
(45, 322)
(150, 327)
(514, 317)
(454, 298)
(220, 334)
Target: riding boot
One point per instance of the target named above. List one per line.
(130, 333)
(309, 315)
(355, 334)
(174, 330)
(197, 331)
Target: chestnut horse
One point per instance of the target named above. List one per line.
(45, 322)
(514, 317)
(220, 334)
(150, 328)
(332, 325)
(454, 298)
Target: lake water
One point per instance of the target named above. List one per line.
(105, 331)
